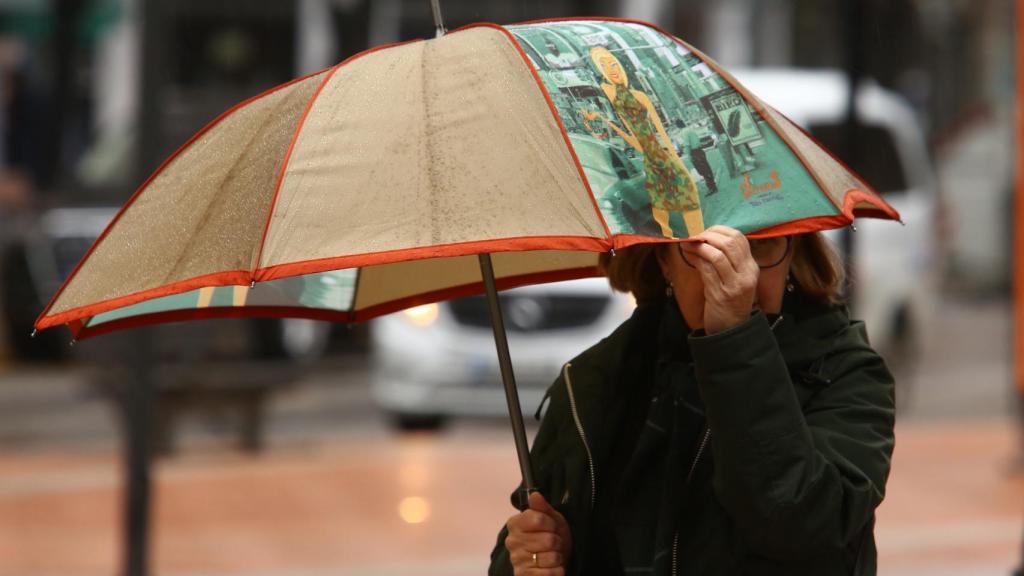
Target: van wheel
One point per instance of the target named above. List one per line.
(406, 422)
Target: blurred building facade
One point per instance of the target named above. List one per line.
(75, 88)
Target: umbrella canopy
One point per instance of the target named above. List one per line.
(371, 186)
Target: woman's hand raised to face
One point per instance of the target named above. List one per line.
(729, 275)
(539, 541)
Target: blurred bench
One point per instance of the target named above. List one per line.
(213, 369)
(231, 395)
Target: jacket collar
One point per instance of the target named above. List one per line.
(805, 330)
(808, 329)
(673, 332)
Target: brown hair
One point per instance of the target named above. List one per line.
(815, 268)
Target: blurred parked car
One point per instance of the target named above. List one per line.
(35, 264)
(227, 369)
(893, 263)
(439, 360)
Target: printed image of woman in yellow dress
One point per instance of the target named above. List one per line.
(667, 180)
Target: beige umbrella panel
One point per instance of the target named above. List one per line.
(256, 197)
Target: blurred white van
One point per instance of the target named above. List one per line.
(893, 284)
(439, 360)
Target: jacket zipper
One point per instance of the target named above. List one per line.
(700, 450)
(675, 554)
(582, 433)
(689, 476)
(693, 468)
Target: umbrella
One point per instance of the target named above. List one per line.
(486, 158)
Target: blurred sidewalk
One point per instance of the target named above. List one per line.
(338, 493)
(952, 507)
(431, 505)
(964, 370)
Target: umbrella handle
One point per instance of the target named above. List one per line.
(515, 413)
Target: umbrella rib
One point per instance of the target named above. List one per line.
(284, 167)
(558, 122)
(429, 151)
(159, 170)
(207, 211)
(256, 264)
(355, 296)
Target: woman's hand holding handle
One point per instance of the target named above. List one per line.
(539, 542)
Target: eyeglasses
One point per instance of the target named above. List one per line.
(767, 252)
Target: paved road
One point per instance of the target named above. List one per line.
(337, 492)
(386, 505)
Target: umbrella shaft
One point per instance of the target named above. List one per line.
(507, 377)
(435, 5)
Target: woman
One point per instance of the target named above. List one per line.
(739, 424)
(667, 181)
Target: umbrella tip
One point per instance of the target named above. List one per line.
(252, 284)
(33, 334)
(853, 227)
(72, 343)
(902, 223)
(613, 252)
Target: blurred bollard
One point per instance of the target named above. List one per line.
(853, 16)
(138, 409)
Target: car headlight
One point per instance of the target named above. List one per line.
(422, 315)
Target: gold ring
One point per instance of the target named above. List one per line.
(534, 558)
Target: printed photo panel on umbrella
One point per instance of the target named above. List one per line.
(671, 144)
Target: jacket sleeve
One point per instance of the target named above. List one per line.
(795, 482)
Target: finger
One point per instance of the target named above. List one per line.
(723, 267)
(530, 542)
(546, 559)
(710, 279)
(737, 249)
(531, 571)
(532, 521)
(538, 503)
(534, 541)
(687, 252)
(733, 244)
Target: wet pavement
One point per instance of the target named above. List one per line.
(953, 505)
(337, 492)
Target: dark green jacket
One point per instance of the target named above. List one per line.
(764, 448)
